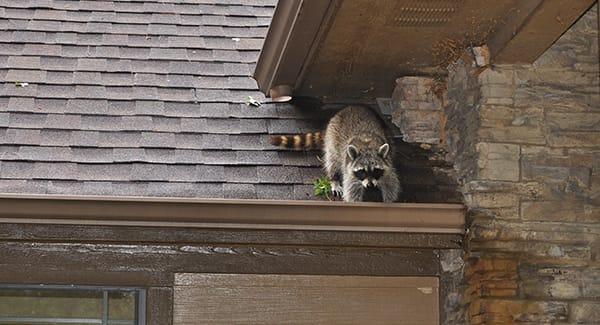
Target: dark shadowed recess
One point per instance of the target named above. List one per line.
(425, 177)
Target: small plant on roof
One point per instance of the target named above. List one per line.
(322, 188)
(250, 101)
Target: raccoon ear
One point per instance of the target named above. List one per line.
(352, 152)
(384, 150)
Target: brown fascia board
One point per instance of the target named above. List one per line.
(291, 39)
(525, 38)
(239, 214)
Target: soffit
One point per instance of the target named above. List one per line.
(357, 48)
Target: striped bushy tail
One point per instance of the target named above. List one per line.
(305, 141)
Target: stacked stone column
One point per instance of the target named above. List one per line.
(525, 144)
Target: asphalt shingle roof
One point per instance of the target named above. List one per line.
(143, 97)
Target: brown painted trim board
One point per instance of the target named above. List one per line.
(170, 235)
(545, 25)
(294, 22)
(151, 265)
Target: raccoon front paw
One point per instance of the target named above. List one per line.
(336, 189)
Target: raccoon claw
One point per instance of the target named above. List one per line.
(336, 189)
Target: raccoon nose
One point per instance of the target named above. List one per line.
(370, 185)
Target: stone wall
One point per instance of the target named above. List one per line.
(532, 182)
(525, 144)
(425, 174)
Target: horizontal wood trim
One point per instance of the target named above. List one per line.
(150, 265)
(276, 280)
(166, 235)
(235, 214)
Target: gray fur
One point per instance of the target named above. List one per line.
(355, 139)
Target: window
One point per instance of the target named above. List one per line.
(73, 305)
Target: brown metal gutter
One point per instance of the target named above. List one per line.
(240, 214)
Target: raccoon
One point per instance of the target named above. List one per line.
(357, 155)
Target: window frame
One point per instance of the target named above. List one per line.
(140, 303)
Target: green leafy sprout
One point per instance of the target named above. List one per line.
(250, 101)
(322, 188)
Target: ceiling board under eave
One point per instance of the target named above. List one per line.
(368, 44)
(371, 43)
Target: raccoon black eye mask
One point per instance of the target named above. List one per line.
(357, 155)
(375, 173)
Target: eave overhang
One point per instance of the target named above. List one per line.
(357, 48)
(234, 214)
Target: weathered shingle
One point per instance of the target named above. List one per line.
(143, 97)
(239, 191)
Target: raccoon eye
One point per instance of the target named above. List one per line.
(360, 174)
(377, 173)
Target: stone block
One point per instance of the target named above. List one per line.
(491, 200)
(537, 150)
(525, 190)
(483, 267)
(515, 134)
(420, 120)
(419, 126)
(562, 78)
(567, 101)
(586, 67)
(538, 250)
(416, 110)
(574, 122)
(498, 161)
(520, 310)
(506, 124)
(491, 115)
(410, 90)
(574, 139)
(565, 211)
(498, 288)
(482, 55)
(532, 117)
(498, 76)
(498, 91)
(585, 312)
(434, 105)
(498, 100)
(511, 230)
(526, 96)
(559, 282)
(555, 174)
(504, 212)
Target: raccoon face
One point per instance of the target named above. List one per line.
(369, 165)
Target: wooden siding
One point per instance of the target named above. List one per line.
(301, 299)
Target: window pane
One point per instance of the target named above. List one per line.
(73, 306)
(51, 303)
(121, 308)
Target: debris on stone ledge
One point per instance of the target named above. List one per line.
(481, 55)
(425, 146)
